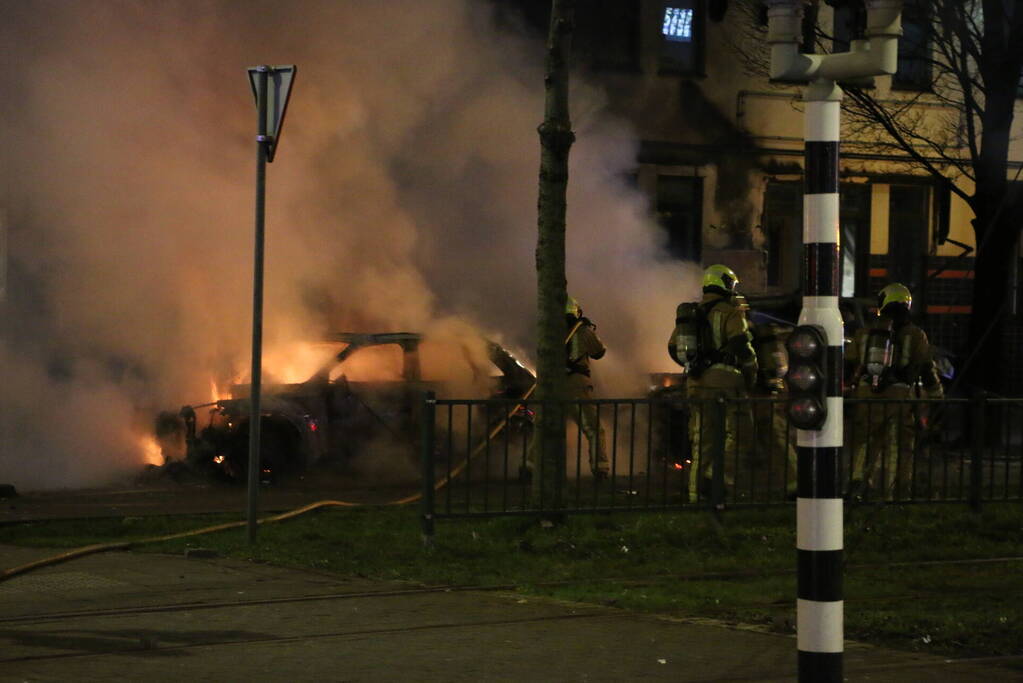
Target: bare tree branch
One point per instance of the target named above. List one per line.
(904, 138)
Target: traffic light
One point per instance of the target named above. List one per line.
(808, 348)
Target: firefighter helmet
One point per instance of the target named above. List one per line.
(894, 293)
(721, 277)
(572, 307)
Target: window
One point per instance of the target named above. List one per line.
(914, 71)
(678, 24)
(849, 23)
(607, 34)
(1015, 304)
(854, 238)
(908, 219)
(680, 213)
(681, 34)
(783, 230)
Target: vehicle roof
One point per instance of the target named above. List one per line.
(364, 339)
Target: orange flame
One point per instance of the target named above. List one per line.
(215, 394)
(295, 362)
(152, 453)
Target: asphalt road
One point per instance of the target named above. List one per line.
(126, 616)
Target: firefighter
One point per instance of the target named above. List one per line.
(711, 340)
(582, 346)
(894, 358)
(775, 437)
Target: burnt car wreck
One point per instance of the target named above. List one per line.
(327, 419)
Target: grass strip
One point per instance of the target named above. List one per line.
(679, 564)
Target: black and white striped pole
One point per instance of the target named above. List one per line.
(815, 346)
(819, 605)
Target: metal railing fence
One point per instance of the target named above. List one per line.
(672, 452)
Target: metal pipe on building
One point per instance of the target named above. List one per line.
(819, 516)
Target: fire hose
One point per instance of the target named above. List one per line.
(128, 545)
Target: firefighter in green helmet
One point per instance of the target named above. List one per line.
(711, 340)
(582, 346)
(894, 362)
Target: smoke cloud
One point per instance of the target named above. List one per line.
(402, 198)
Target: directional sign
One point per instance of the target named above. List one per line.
(279, 79)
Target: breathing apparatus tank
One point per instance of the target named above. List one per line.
(684, 345)
(878, 352)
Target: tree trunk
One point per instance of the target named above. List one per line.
(556, 139)
(996, 223)
(997, 230)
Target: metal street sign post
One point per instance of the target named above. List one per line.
(271, 86)
(275, 81)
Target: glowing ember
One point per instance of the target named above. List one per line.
(151, 451)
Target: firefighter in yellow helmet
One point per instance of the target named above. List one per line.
(775, 437)
(711, 340)
(582, 346)
(894, 359)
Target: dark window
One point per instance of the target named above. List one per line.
(850, 20)
(783, 230)
(681, 35)
(907, 233)
(854, 238)
(607, 34)
(680, 213)
(942, 207)
(1014, 203)
(914, 72)
(1016, 295)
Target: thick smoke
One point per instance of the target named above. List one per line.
(402, 197)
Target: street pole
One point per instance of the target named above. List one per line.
(257, 302)
(819, 514)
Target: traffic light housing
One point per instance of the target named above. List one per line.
(807, 406)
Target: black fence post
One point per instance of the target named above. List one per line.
(977, 458)
(717, 487)
(429, 415)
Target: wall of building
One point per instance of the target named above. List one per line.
(737, 135)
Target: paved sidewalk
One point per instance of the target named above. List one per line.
(127, 616)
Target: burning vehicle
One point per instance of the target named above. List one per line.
(334, 416)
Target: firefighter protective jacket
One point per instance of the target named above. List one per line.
(584, 345)
(730, 337)
(912, 357)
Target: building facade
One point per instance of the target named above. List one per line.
(721, 154)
